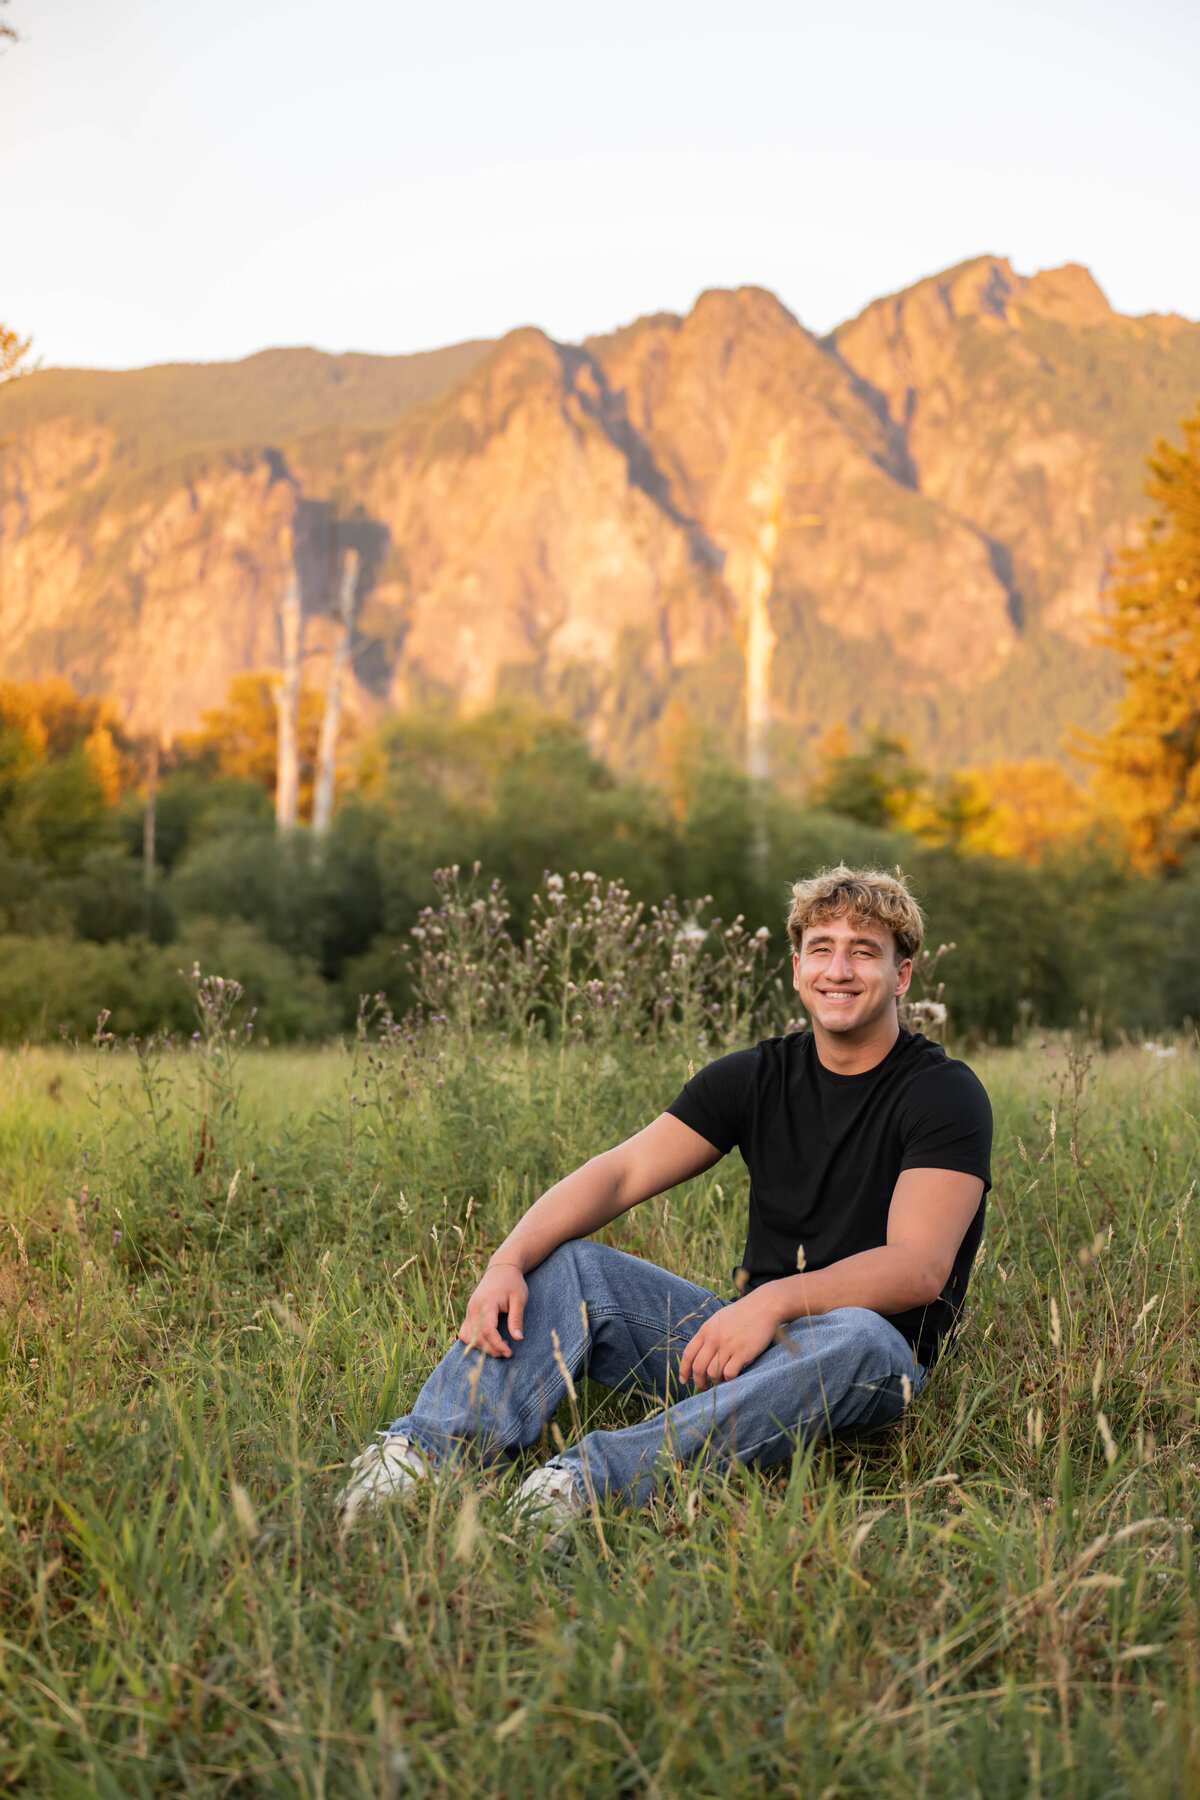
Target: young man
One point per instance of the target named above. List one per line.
(868, 1150)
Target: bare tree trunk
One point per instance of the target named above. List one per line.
(287, 703)
(757, 572)
(750, 574)
(760, 643)
(331, 722)
(149, 823)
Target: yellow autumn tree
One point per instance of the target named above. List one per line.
(47, 721)
(1149, 764)
(1023, 809)
(242, 735)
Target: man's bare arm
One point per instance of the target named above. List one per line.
(928, 1219)
(650, 1162)
(930, 1212)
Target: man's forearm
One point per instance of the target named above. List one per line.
(573, 1208)
(890, 1279)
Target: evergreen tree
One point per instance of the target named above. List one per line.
(1150, 761)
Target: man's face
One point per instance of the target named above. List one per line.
(847, 975)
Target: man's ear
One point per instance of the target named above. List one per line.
(796, 970)
(903, 977)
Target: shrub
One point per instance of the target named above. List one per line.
(54, 984)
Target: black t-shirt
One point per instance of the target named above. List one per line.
(824, 1152)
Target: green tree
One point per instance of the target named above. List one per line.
(1150, 760)
(875, 786)
(63, 760)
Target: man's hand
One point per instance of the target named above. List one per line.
(502, 1290)
(730, 1341)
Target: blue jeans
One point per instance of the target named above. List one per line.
(597, 1311)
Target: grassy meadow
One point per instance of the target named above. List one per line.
(222, 1269)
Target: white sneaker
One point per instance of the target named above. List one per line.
(551, 1499)
(381, 1472)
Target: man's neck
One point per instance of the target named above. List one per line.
(854, 1052)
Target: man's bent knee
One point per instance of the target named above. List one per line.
(868, 1327)
(578, 1254)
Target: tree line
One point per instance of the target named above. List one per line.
(309, 922)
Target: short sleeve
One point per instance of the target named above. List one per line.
(948, 1123)
(714, 1101)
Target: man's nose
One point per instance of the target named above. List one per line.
(840, 966)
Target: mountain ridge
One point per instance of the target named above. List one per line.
(716, 524)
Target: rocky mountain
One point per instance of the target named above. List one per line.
(717, 527)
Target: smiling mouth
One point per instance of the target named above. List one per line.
(836, 994)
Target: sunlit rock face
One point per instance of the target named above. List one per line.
(719, 520)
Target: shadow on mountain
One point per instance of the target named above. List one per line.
(608, 411)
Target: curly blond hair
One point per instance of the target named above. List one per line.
(867, 894)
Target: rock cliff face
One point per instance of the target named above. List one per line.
(718, 523)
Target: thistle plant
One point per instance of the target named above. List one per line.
(926, 1010)
(596, 965)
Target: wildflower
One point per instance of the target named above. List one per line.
(927, 1012)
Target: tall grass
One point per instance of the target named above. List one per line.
(223, 1269)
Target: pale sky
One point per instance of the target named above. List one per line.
(188, 183)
